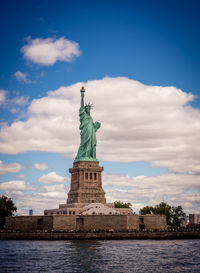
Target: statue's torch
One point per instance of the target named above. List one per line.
(82, 89)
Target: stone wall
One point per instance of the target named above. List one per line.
(86, 222)
(64, 222)
(154, 221)
(132, 222)
(29, 223)
(89, 222)
(105, 222)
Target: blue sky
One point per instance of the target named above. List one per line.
(139, 61)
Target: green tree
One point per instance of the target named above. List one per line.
(178, 216)
(164, 208)
(7, 208)
(174, 215)
(147, 210)
(119, 204)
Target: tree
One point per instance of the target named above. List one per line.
(178, 216)
(119, 204)
(7, 208)
(164, 208)
(174, 215)
(146, 210)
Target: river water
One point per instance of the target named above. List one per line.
(109, 256)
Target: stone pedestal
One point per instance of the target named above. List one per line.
(86, 183)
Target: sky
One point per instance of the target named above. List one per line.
(140, 64)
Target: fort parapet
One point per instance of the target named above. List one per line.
(85, 222)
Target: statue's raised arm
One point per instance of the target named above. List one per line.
(88, 129)
(82, 96)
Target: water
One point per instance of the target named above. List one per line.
(109, 256)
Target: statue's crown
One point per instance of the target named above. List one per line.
(89, 105)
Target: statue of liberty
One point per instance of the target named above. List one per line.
(88, 128)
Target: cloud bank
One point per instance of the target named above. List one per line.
(13, 185)
(40, 199)
(175, 189)
(139, 123)
(50, 50)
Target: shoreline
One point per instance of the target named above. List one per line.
(98, 236)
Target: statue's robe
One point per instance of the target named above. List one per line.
(87, 148)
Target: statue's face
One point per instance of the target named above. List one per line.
(87, 109)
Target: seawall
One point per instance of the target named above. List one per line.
(98, 236)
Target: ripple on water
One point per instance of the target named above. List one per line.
(107, 256)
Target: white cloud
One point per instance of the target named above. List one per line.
(48, 197)
(50, 50)
(43, 166)
(14, 104)
(139, 123)
(20, 176)
(56, 188)
(175, 189)
(20, 100)
(51, 178)
(55, 194)
(22, 77)
(13, 185)
(39, 202)
(10, 168)
(44, 198)
(2, 96)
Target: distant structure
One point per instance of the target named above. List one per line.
(30, 212)
(86, 207)
(194, 219)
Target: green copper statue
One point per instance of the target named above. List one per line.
(88, 128)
